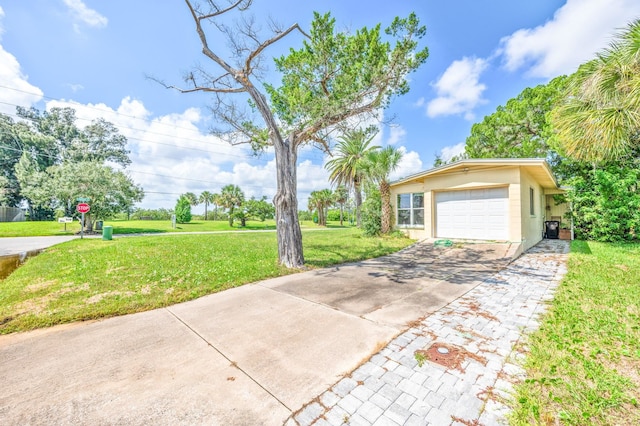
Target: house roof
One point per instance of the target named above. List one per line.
(537, 167)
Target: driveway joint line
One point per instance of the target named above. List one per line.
(233, 363)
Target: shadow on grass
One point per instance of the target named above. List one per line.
(581, 247)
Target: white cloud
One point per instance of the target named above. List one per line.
(409, 164)
(396, 135)
(81, 13)
(16, 90)
(576, 32)
(459, 90)
(170, 155)
(448, 152)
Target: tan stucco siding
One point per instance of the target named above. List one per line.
(494, 177)
(532, 224)
(416, 187)
(478, 179)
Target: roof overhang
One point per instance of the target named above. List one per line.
(536, 167)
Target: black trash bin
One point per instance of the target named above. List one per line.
(552, 229)
(98, 225)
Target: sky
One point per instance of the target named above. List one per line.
(103, 59)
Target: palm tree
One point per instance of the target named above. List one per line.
(231, 197)
(192, 198)
(206, 198)
(346, 166)
(320, 201)
(378, 166)
(215, 202)
(600, 116)
(341, 195)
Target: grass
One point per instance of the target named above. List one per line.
(583, 365)
(91, 278)
(33, 229)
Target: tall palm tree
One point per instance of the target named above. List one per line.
(231, 197)
(378, 166)
(206, 198)
(600, 117)
(340, 196)
(215, 202)
(346, 166)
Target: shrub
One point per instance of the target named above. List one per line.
(372, 213)
(606, 204)
(183, 210)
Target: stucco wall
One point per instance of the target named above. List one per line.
(532, 225)
(476, 179)
(416, 187)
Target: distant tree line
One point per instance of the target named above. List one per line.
(230, 202)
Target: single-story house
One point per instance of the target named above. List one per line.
(480, 199)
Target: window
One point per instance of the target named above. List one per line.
(532, 209)
(411, 210)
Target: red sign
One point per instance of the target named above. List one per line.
(83, 208)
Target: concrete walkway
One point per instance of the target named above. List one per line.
(18, 245)
(255, 354)
(467, 385)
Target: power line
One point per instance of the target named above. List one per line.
(134, 129)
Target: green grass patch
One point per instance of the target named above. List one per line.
(120, 227)
(583, 367)
(91, 278)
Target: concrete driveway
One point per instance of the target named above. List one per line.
(250, 355)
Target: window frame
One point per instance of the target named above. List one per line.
(532, 201)
(411, 209)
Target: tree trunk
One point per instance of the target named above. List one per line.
(385, 196)
(231, 216)
(341, 208)
(205, 211)
(290, 252)
(358, 196)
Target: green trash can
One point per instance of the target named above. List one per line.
(107, 232)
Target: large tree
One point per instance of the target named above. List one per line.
(378, 166)
(600, 116)
(332, 78)
(110, 191)
(520, 128)
(347, 165)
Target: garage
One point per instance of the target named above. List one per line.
(480, 214)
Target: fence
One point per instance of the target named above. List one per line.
(11, 214)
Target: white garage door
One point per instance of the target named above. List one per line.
(480, 214)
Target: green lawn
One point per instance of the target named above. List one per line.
(91, 278)
(583, 367)
(32, 229)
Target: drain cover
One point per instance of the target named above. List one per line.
(449, 356)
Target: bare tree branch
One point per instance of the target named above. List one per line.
(267, 43)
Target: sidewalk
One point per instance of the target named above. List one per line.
(481, 331)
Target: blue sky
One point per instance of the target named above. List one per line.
(95, 56)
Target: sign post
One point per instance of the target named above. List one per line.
(82, 208)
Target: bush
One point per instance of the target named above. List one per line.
(304, 215)
(183, 210)
(372, 213)
(606, 204)
(334, 215)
